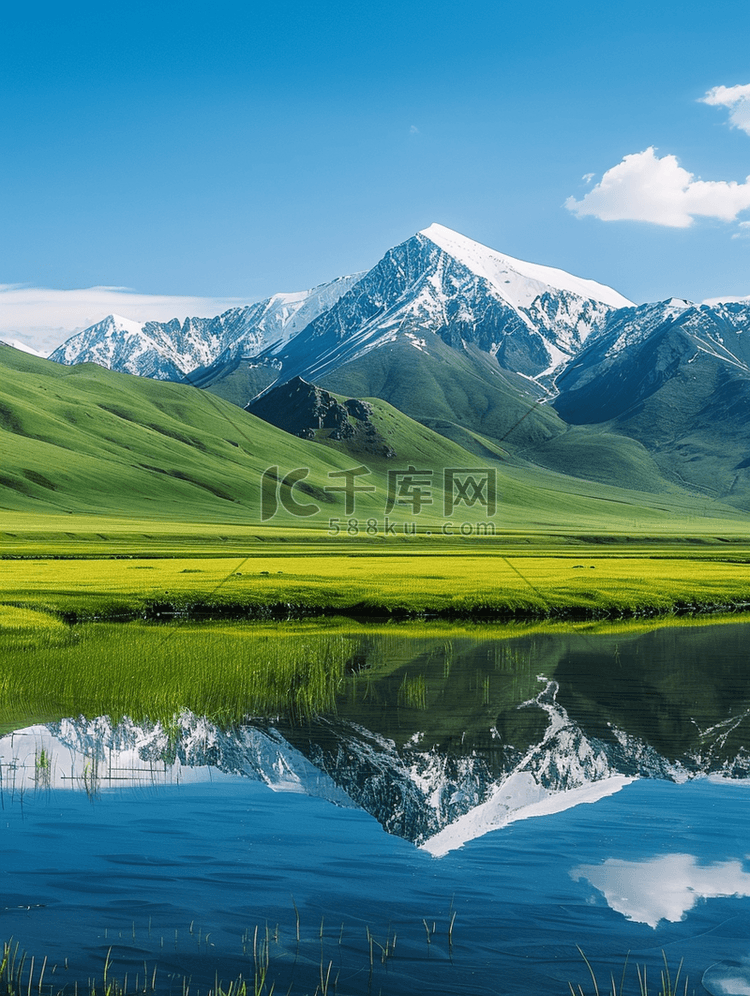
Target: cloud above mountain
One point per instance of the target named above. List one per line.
(646, 187)
(43, 317)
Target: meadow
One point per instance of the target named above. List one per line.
(490, 582)
(89, 452)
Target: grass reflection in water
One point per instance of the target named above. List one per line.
(224, 671)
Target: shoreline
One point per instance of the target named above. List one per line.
(373, 614)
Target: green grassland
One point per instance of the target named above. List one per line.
(478, 583)
(86, 441)
(123, 495)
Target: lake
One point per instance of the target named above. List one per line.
(476, 808)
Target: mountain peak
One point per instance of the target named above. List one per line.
(517, 281)
(122, 324)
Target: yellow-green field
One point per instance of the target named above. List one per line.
(429, 581)
(103, 566)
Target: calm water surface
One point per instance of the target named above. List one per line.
(488, 803)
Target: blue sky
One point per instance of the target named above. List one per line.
(232, 150)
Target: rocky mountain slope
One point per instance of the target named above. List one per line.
(312, 413)
(530, 318)
(555, 368)
(171, 350)
(676, 377)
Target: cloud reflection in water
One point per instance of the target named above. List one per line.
(663, 888)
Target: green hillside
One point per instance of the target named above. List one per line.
(691, 435)
(237, 381)
(87, 441)
(464, 386)
(464, 395)
(686, 404)
(84, 439)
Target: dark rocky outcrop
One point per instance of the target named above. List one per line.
(309, 412)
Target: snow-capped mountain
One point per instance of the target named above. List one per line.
(675, 376)
(121, 344)
(454, 333)
(517, 282)
(283, 316)
(170, 350)
(530, 318)
(22, 347)
(438, 799)
(720, 332)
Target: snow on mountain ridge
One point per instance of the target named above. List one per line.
(729, 299)
(442, 283)
(171, 350)
(17, 344)
(123, 324)
(289, 313)
(518, 282)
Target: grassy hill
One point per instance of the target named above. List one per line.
(237, 380)
(682, 399)
(691, 433)
(84, 439)
(464, 395)
(463, 386)
(87, 441)
(121, 496)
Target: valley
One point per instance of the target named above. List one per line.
(523, 362)
(453, 433)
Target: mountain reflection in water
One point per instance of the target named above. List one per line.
(442, 740)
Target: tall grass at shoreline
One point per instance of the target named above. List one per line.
(229, 671)
(670, 981)
(299, 959)
(224, 671)
(20, 975)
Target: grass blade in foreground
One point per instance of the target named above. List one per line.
(667, 986)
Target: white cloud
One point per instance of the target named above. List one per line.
(42, 317)
(644, 187)
(727, 299)
(663, 888)
(737, 99)
(744, 231)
